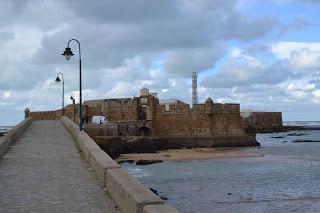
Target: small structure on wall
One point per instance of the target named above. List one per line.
(262, 122)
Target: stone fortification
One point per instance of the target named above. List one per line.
(262, 122)
(146, 116)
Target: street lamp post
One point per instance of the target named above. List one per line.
(58, 81)
(74, 107)
(68, 53)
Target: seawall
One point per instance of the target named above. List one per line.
(130, 195)
(13, 135)
(262, 122)
(115, 146)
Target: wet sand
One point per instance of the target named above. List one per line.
(187, 154)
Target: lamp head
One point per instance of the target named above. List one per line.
(67, 53)
(58, 79)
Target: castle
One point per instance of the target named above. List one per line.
(167, 123)
(147, 116)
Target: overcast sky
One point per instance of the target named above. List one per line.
(264, 55)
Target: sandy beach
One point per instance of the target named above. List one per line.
(186, 154)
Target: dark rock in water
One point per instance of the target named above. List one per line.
(305, 140)
(259, 147)
(157, 193)
(154, 191)
(284, 141)
(296, 134)
(146, 162)
(229, 193)
(163, 198)
(278, 137)
(3, 133)
(125, 161)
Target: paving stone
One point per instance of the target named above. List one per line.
(44, 172)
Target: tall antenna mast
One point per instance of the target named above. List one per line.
(194, 88)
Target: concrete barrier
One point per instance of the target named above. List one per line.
(100, 163)
(130, 195)
(159, 209)
(13, 135)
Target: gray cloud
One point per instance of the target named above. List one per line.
(121, 43)
(116, 32)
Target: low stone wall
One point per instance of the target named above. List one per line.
(45, 115)
(13, 135)
(130, 195)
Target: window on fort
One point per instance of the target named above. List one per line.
(167, 107)
(97, 119)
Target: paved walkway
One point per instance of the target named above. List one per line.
(43, 172)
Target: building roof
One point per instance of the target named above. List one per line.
(171, 102)
(209, 100)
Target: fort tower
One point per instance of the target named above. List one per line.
(194, 88)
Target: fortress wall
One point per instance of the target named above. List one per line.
(45, 115)
(262, 121)
(113, 109)
(130, 195)
(235, 125)
(232, 108)
(201, 120)
(13, 135)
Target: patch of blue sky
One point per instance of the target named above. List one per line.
(287, 12)
(158, 62)
(309, 34)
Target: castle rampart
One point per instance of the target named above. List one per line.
(145, 116)
(262, 121)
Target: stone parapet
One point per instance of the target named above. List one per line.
(101, 162)
(13, 135)
(45, 115)
(130, 195)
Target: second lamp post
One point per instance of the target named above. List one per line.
(58, 81)
(68, 53)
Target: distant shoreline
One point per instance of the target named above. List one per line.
(300, 128)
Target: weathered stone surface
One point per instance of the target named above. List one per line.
(88, 145)
(100, 162)
(130, 194)
(159, 209)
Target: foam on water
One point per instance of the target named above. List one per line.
(135, 172)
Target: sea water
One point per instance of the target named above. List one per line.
(4, 129)
(284, 178)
